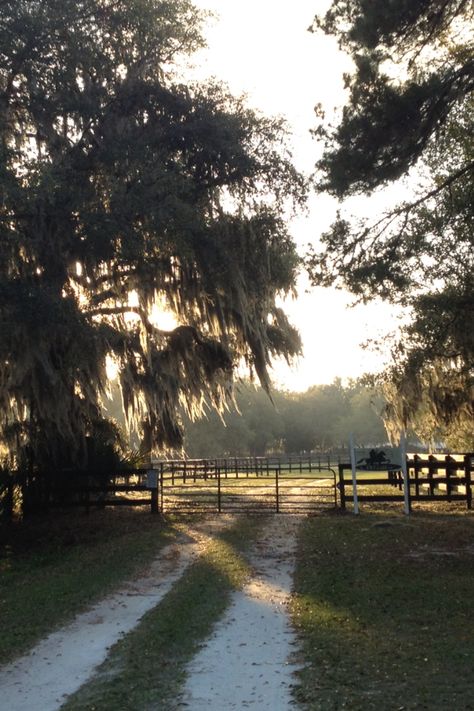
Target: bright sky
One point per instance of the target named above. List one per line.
(262, 48)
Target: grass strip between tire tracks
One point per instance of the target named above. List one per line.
(383, 606)
(146, 669)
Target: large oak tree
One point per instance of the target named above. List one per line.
(124, 190)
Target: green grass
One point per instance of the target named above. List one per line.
(52, 568)
(362, 475)
(146, 669)
(383, 607)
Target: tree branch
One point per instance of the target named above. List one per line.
(114, 310)
(406, 208)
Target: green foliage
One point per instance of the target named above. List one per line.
(387, 122)
(123, 190)
(434, 368)
(410, 104)
(319, 419)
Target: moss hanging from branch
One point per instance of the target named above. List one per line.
(124, 192)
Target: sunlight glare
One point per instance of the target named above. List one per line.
(111, 366)
(162, 318)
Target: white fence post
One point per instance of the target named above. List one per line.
(406, 484)
(354, 474)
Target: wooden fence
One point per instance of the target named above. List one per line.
(430, 478)
(246, 466)
(169, 483)
(43, 491)
(83, 488)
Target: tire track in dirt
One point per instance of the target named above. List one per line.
(246, 662)
(56, 667)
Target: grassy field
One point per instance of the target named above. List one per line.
(51, 568)
(382, 604)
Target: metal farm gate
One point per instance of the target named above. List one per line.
(251, 485)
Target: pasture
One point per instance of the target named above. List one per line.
(382, 606)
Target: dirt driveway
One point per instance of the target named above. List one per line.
(245, 664)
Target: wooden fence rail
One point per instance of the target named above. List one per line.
(440, 478)
(42, 491)
(430, 478)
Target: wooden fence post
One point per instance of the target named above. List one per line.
(432, 469)
(449, 470)
(342, 491)
(467, 476)
(154, 501)
(277, 492)
(161, 492)
(152, 484)
(417, 469)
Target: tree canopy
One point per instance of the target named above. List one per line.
(410, 105)
(413, 65)
(123, 190)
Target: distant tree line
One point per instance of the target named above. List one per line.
(319, 419)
